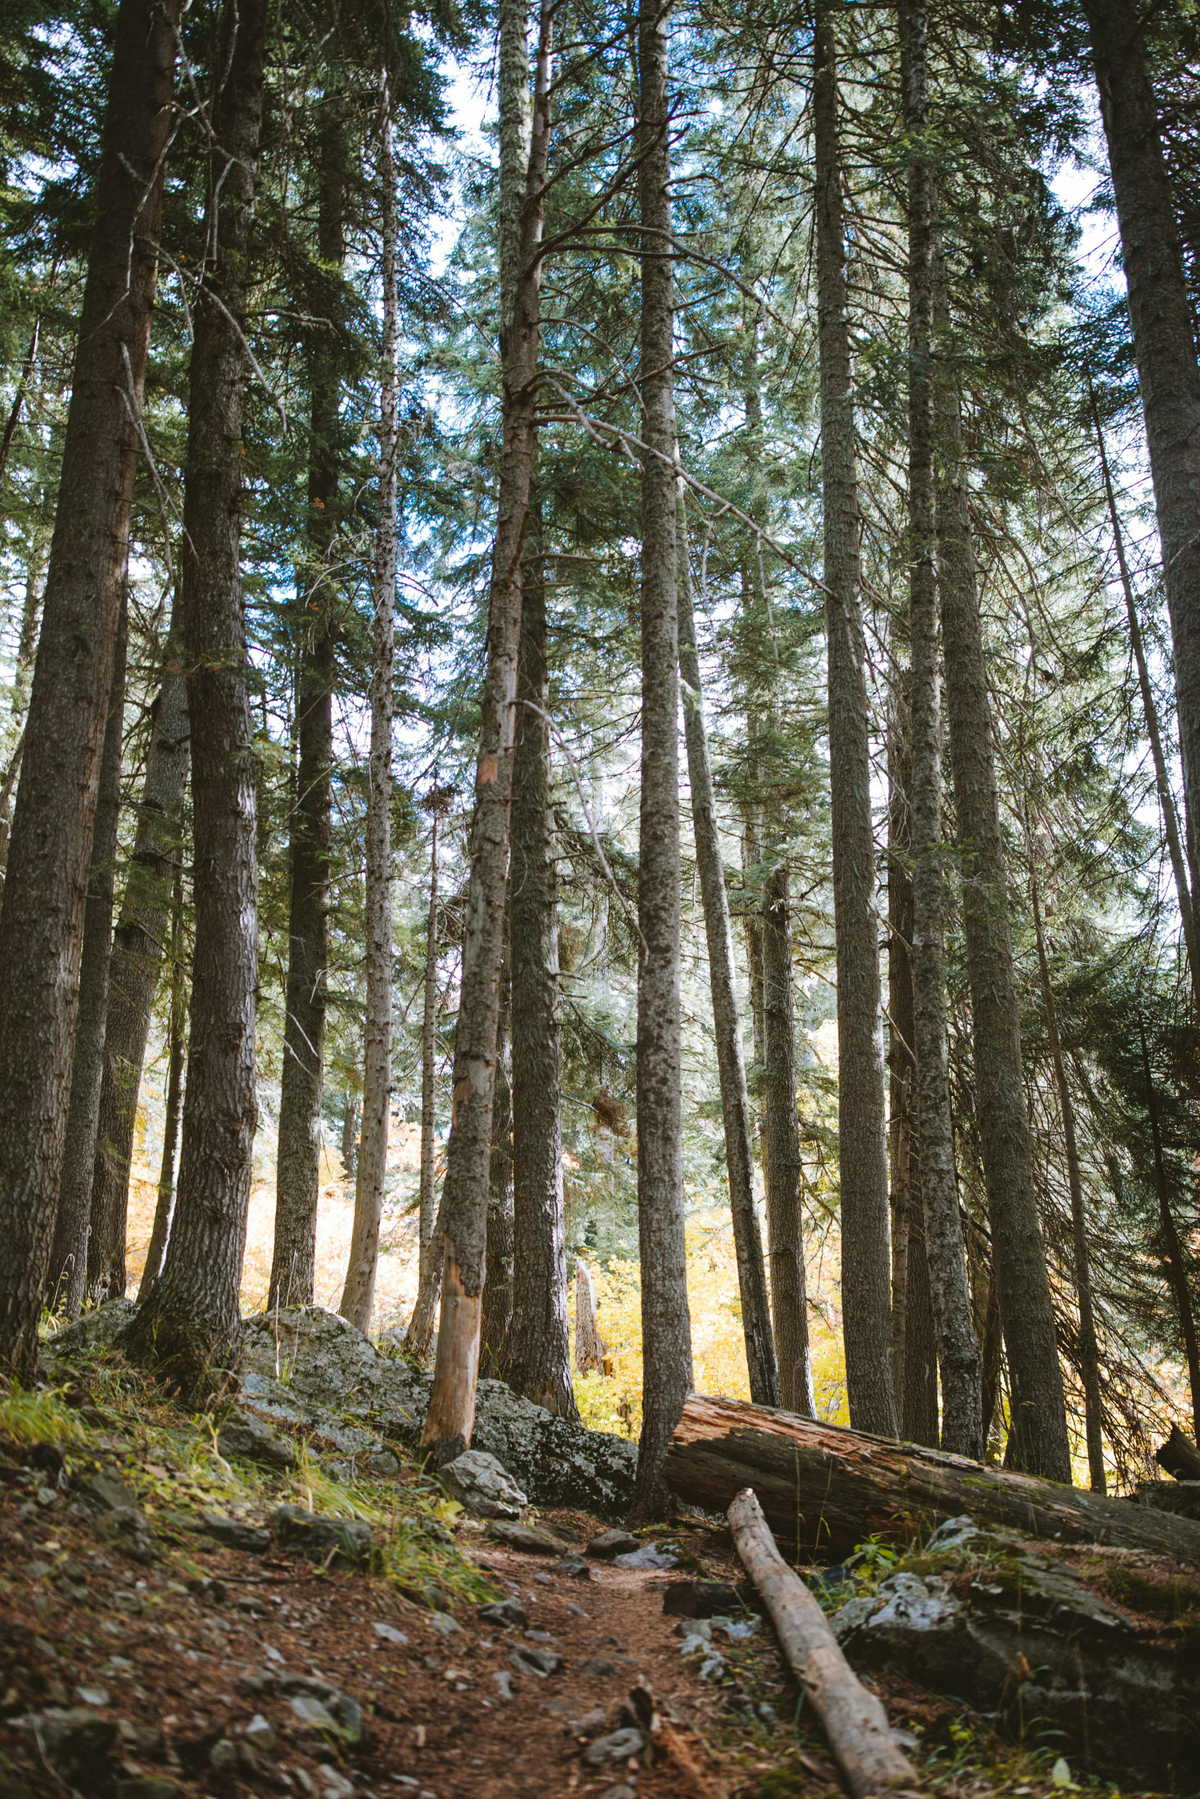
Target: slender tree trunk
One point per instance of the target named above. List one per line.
(164, 1209)
(1172, 1248)
(1089, 1353)
(358, 1295)
(41, 926)
(18, 400)
(1039, 1415)
(1163, 341)
(293, 1264)
(1162, 780)
(498, 1280)
(752, 924)
(735, 1098)
(913, 1337)
(589, 1346)
(133, 971)
(862, 1151)
(68, 1262)
(958, 1351)
(666, 1325)
(26, 650)
(349, 1133)
(463, 1221)
(188, 1327)
(538, 1360)
(428, 1055)
(781, 1145)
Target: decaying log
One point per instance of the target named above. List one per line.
(829, 1489)
(854, 1720)
(1179, 1456)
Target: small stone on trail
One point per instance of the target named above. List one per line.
(333, 1784)
(483, 1485)
(388, 1633)
(621, 1792)
(615, 1748)
(575, 1567)
(648, 1556)
(612, 1542)
(504, 1682)
(583, 1727)
(528, 1538)
(542, 1579)
(576, 1611)
(248, 1439)
(234, 1534)
(600, 1668)
(260, 1733)
(351, 1540)
(541, 1662)
(444, 1624)
(107, 1490)
(505, 1612)
(92, 1696)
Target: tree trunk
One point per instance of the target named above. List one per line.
(133, 970)
(1089, 1353)
(1162, 780)
(41, 926)
(1039, 1417)
(781, 1150)
(538, 1359)
(349, 1133)
(832, 1489)
(958, 1351)
(589, 1345)
(498, 1279)
(26, 650)
(428, 1055)
(164, 1209)
(18, 399)
(293, 1263)
(1172, 1248)
(69, 1257)
(735, 1099)
(1163, 341)
(666, 1326)
(187, 1329)
(862, 1151)
(358, 1294)
(913, 1337)
(463, 1221)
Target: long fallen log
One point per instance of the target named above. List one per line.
(829, 1489)
(855, 1722)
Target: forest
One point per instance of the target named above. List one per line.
(600, 706)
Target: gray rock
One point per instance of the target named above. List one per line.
(542, 1662)
(619, 1792)
(382, 1464)
(98, 1696)
(505, 1612)
(336, 1714)
(259, 1733)
(94, 1332)
(617, 1747)
(649, 1555)
(107, 1491)
(479, 1482)
(350, 1540)
(574, 1567)
(246, 1438)
(387, 1633)
(129, 1531)
(444, 1625)
(590, 1721)
(504, 1683)
(223, 1756)
(235, 1534)
(610, 1543)
(75, 1742)
(979, 1616)
(529, 1539)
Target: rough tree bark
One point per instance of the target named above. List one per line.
(293, 1262)
(164, 1209)
(498, 1278)
(41, 927)
(1039, 1420)
(666, 1326)
(862, 1151)
(958, 1350)
(731, 1068)
(832, 1489)
(133, 970)
(428, 1053)
(358, 1294)
(187, 1328)
(463, 1213)
(1163, 341)
(1170, 1247)
(538, 1359)
(589, 1346)
(69, 1257)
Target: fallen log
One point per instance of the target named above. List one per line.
(854, 1720)
(828, 1489)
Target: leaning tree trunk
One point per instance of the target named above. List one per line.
(666, 1326)
(1039, 1419)
(862, 1151)
(69, 1257)
(731, 1069)
(538, 1359)
(164, 1209)
(188, 1327)
(461, 1235)
(293, 1263)
(41, 926)
(358, 1294)
(832, 1489)
(958, 1350)
(133, 970)
(1163, 341)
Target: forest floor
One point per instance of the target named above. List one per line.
(141, 1658)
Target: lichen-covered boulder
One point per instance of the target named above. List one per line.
(313, 1353)
(981, 1616)
(481, 1484)
(92, 1331)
